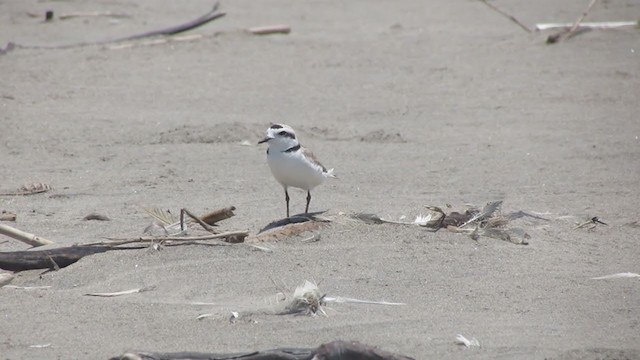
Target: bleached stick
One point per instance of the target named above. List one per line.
(25, 237)
(589, 25)
(120, 293)
(118, 241)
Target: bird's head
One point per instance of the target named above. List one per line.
(280, 137)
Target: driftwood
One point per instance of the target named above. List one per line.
(25, 237)
(213, 14)
(269, 30)
(218, 215)
(574, 30)
(48, 259)
(335, 350)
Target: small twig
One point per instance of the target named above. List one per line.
(55, 264)
(124, 241)
(92, 14)
(577, 23)
(508, 16)
(269, 30)
(196, 219)
(120, 293)
(567, 34)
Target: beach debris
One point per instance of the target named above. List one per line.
(120, 293)
(290, 227)
(488, 221)
(204, 316)
(261, 248)
(47, 259)
(507, 15)
(77, 14)
(270, 30)
(461, 340)
(96, 216)
(347, 300)
(7, 216)
(213, 14)
(589, 224)
(23, 236)
(155, 41)
(431, 220)
(28, 189)
(166, 225)
(172, 226)
(307, 299)
(39, 346)
(27, 287)
(311, 238)
(602, 25)
(216, 216)
(617, 276)
(49, 14)
(5, 278)
(334, 350)
(234, 316)
(574, 29)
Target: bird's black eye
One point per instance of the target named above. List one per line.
(288, 134)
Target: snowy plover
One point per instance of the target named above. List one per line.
(291, 164)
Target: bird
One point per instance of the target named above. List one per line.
(291, 164)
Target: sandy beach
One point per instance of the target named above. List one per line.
(414, 103)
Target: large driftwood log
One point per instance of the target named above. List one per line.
(48, 259)
(335, 350)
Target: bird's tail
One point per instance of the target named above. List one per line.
(329, 173)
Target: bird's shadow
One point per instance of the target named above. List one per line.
(294, 219)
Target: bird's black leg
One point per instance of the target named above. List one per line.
(306, 210)
(286, 198)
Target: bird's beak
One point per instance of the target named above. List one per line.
(264, 140)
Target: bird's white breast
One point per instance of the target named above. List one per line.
(293, 169)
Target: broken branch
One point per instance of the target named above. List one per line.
(25, 237)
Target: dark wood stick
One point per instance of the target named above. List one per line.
(336, 350)
(204, 19)
(48, 259)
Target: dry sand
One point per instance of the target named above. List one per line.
(413, 102)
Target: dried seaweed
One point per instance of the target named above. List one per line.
(488, 221)
(28, 189)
